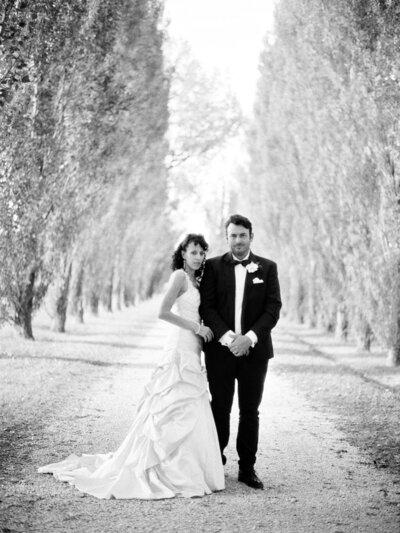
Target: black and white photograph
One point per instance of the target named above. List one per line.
(199, 266)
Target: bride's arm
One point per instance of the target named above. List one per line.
(177, 286)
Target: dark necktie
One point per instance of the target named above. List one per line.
(245, 262)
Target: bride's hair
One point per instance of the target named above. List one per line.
(177, 259)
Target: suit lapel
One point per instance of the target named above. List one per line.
(229, 275)
(247, 285)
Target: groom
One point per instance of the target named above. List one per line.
(240, 302)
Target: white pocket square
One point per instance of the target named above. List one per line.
(258, 280)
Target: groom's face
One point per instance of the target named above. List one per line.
(239, 240)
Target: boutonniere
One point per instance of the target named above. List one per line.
(252, 267)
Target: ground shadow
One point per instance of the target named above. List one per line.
(333, 370)
(103, 343)
(94, 362)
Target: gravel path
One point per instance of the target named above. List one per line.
(80, 399)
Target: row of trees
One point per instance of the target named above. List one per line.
(83, 186)
(324, 181)
(104, 119)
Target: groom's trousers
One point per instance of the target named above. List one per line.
(223, 369)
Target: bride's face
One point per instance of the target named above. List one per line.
(194, 256)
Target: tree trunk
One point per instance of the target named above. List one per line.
(76, 304)
(117, 284)
(79, 316)
(393, 357)
(127, 296)
(109, 293)
(297, 298)
(341, 330)
(118, 298)
(312, 299)
(61, 301)
(326, 318)
(301, 298)
(94, 303)
(23, 315)
(364, 337)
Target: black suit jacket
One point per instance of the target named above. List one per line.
(261, 301)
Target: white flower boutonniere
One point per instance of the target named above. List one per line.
(252, 267)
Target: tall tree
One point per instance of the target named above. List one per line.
(83, 106)
(323, 177)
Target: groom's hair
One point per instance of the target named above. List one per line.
(239, 220)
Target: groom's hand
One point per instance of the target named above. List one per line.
(240, 345)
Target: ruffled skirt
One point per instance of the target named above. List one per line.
(171, 448)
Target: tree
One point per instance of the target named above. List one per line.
(81, 125)
(323, 145)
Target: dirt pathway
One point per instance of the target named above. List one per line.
(80, 399)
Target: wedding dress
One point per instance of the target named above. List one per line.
(172, 446)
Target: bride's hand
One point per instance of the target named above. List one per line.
(206, 333)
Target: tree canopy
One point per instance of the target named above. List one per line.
(83, 115)
(324, 148)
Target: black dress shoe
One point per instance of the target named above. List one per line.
(250, 478)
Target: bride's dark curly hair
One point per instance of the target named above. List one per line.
(177, 259)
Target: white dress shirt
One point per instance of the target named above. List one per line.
(240, 279)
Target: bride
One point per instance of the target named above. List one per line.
(172, 446)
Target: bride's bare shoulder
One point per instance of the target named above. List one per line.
(178, 279)
(178, 275)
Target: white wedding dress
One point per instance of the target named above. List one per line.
(172, 446)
